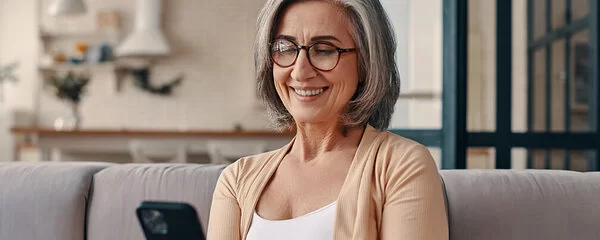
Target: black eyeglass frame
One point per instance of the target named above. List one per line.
(307, 48)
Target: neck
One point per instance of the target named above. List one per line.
(314, 140)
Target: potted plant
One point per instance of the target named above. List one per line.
(70, 88)
(7, 74)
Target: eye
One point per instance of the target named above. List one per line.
(283, 46)
(324, 49)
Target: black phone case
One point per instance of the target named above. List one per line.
(169, 220)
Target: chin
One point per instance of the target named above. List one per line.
(308, 117)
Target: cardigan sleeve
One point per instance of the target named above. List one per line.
(414, 206)
(225, 213)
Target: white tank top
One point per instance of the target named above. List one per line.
(316, 225)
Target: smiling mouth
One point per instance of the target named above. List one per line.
(310, 93)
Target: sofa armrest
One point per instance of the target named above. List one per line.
(45, 200)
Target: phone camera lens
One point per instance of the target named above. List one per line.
(154, 221)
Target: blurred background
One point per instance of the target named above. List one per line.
(485, 84)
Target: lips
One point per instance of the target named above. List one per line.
(309, 92)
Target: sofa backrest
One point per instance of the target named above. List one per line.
(117, 191)
(44, 200)
(50, 200)
(522, 205)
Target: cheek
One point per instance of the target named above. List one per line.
(279, 80)
(349, 77)
(279, 75)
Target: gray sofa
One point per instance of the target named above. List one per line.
(97, 201)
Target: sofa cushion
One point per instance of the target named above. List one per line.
(117, 191)
(44, 200)
(519, 205)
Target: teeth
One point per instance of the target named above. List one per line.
(309, 92)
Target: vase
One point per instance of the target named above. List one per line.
(76, 115)
(71, 122)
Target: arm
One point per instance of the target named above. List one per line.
(225, 211)
(414, 207)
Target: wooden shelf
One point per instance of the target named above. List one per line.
(49, 35)
(149, 133)
(84, 66)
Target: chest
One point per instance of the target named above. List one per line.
(295, 190)
(320, 222)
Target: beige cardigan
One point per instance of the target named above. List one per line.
(392, 191)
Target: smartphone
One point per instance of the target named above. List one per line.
(169, 220)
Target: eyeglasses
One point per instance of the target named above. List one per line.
(321, 55)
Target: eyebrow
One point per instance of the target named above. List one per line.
(313, 39)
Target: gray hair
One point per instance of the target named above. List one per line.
(379, 81)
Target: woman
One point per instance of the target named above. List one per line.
(326, 70)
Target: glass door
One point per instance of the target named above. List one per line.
(520, 84)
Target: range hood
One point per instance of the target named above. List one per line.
(67, 7)
(147, 39)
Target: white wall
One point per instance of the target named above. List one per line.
(216, 57)
(399, 14)
(17, 43)
(212, 45)
(425, 62)
(418, 27)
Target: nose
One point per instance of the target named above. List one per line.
(302, 70)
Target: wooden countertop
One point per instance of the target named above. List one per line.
(148, 133)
